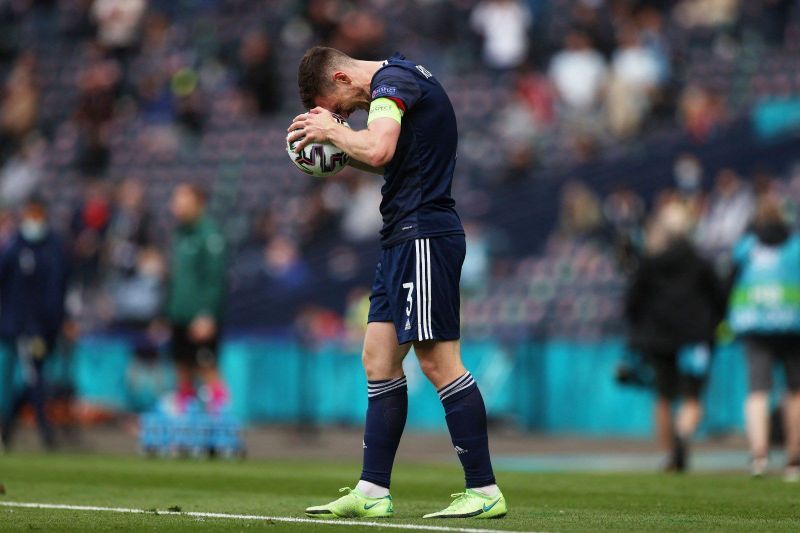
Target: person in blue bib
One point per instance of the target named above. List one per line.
(410, 139)
(764, 311)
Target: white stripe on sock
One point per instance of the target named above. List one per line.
(385, 383)
(466, 385)
(454, 383)
(372, 394)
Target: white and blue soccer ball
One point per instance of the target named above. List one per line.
(319, 159)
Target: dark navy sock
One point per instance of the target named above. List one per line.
(386, 418)
(466, 420)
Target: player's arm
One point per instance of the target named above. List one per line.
(373, 147)
(366, 168)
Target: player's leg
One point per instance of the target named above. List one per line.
(386, 418)
(465, 414)
(465, 411)
(693, 368)
(687, 420)
(14, 399)
(438, 350)
(184, 356)
(791, 414)
(759, 362)
(387, 405)
(665, 375)
(215, 391)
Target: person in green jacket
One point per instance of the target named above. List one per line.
(195, 297)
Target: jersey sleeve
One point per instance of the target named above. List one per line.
(398, 85)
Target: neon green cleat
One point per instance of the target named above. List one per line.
(354, 505)
(473, 504)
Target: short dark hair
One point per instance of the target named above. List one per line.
(313, 74)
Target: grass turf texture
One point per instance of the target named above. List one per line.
(537, 502)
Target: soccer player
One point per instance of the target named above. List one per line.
(411, 139)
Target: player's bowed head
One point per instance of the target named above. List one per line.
(332, 82)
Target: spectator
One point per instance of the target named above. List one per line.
(624, 212)
(673, 276)
(579, 73)
(258, 80)
(361, 221)
(360, 34)
(134, 269)
(730, 207)
(504, 26)
(765, 312)
(98, 85)
(283, 264)
(195, 298)
(22, 173)
(477, 262)
(591, 18)
(88, 229)
(634, 79)
(700, 111)
(137, 299)
(19, 108)
(650, 23)
(706, 13)
(33, 281)
(118, 22)
(581, 216)
(128, 228)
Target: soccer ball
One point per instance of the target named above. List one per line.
(319, 159)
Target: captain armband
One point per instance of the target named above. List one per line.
(384, 108)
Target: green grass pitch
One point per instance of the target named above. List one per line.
(537, 502)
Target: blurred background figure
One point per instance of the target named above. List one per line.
(195, 298)
(633, 83)
(729, 210)
(503, 25)
(673, 305)
(765, 312)
(118, 23)
(258, 81)
(19, 107)
(33, 281)
(579, 73)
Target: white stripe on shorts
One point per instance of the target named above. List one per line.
(424, 299)
(430, 297)
(419, 292)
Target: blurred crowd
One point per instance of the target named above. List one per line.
(117, 114)
(108, 104)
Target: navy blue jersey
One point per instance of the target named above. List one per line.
(416, 193)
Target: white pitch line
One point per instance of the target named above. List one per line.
(290, 519)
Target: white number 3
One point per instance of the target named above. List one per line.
(410, 287)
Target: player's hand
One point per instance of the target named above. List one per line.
(314, 126)
(202, 329)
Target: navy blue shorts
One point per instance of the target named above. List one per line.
(417, 288)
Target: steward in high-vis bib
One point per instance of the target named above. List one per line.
(764, 311)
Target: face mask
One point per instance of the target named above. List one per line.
(33, 230)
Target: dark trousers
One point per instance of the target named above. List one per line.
(34, 392)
